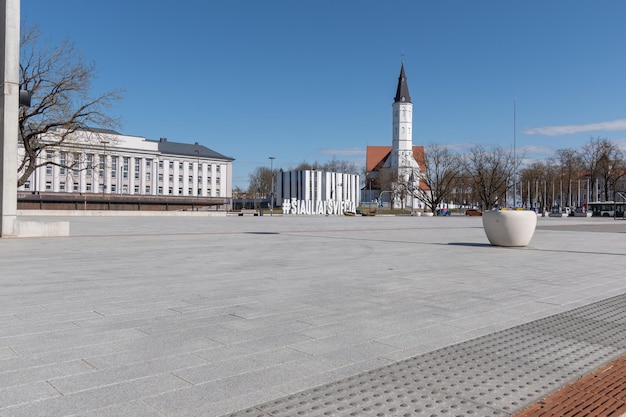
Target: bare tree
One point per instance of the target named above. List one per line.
(606, 164)
(334, 165)
(59, 81)
(490, 169)
(443, 168)
(538, 177)
(569, 164)
(260, 182)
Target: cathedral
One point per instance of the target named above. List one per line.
(393, 172)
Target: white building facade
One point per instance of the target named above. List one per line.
(107, 162)
(312, 192)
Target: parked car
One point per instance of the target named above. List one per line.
(473, 212)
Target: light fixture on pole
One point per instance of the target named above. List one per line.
(271, 158)
(514, 159)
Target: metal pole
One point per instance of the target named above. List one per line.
(272, 181)
(514, 159)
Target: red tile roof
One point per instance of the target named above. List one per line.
(377, 154)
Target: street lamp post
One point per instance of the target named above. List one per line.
(271, 158)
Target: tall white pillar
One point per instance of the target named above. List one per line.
(9, 103)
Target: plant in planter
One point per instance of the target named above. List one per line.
(509, 227)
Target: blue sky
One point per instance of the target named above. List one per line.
(315, 80)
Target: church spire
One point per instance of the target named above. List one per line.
(402, 93)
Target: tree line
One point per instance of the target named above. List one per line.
(485, 176)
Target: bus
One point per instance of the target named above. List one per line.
(606, 209)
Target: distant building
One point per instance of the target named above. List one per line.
(394, 172)
(313, 192)
(109, 163)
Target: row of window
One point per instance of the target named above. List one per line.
(125, 167)
(89, 188)
(63, 161)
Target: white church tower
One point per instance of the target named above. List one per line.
(401, 157)
(401, 160)
(393, 172)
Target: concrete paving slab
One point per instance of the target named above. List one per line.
(350, 294)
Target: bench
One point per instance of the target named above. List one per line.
(248, 212)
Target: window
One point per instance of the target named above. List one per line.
(113, 188)
(180, 166)
(113, 166)
(190, 179)
(171, 165)
(171, 177)
(63, 162)
(217, 180)
(62, 186)
(160, 190)
(125, 162)
(101, 166)
(88, 187)
(137, 168)
(217, 168)
(190, 191)
(217, 193)
(136, 189)
(180, 178)
(101, 188)
(160, 164)
(125, 189)
(147, 175)
(199, 191)
(49, 166)
(148, 163)
(75, 164)
(27, 185)
(180, 190)
(48, 185)
(89, 165)
(147, 189)
(170, 191)
(160, 177)
(75, 186)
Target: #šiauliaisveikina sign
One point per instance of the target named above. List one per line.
(310, 207)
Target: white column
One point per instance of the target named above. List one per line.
(155, 176)
(203, 174)
(142, 176)
(9, 102)
(82, 174)
(196, 170)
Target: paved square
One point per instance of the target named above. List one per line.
(202, 316)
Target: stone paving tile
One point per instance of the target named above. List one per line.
(117, 375)
(25, 375)
(97, 398)
(31, 392)
(238, 365)
(131, 408)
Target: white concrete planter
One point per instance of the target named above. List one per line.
(509, 227)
